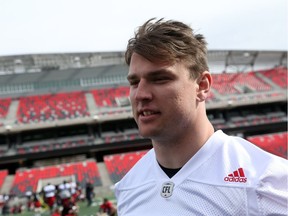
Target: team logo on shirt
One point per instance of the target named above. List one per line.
(167, 189)
(237, 176)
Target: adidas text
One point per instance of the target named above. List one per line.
(235, 179)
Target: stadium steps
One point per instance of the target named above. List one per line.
(6, 187)
(105, 178)
(12, 112)
(267, 80)
(91, 105)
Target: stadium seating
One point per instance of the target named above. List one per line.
(234, 83)
(112, 137)
(50, 107)
(119, 164)
(84, 172)
(42, 108)
(107, 97)
(3, 174)
(3, 149)
(4, 106)
(275, 143)
(278, 76)
(52, 145)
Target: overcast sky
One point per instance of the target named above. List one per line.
(57, 26)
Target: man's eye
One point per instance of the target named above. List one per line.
(133, 83)
(161, 79)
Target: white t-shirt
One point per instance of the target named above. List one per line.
(64, 186)
(64, 190)
(73, 187)
(227, 176)
(49, 190)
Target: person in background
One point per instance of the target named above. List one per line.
(56, 212)
(70, 208)
(74, 191)
(29, 197)
(64, 192)
(89, 193)
(191, 169)
(37, 204)
(49, 192)
(107, 207)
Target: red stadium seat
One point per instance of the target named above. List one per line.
(3, 174)
(277, 75)
(43, 108)
(84, 172)
(235, 83)
(4, 106)
(275, 143)
(107, 97)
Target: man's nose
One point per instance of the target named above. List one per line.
(143, 91)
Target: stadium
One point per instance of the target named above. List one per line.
(67, 116)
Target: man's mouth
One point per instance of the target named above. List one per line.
(147, 113)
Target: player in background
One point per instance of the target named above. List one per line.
(192, 169)
(89, 193)
(49, 192)
(64, 191)
(107, 207)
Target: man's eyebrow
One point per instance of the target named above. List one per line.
(160, 72)
(151, 74)
(131, 77)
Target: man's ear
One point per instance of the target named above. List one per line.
(204, 85)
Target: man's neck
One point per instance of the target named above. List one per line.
(169, 172)
(176, 153)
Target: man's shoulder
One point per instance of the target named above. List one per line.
(234, 161)
(238, 147)
(243, 149)
(265, 173)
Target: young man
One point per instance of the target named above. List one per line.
(191, 169)
(49, 191)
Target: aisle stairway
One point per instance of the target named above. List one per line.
(7, 184)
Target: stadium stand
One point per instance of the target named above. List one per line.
(74, 105)
(52, 145)
(27, 180)
(42, 108)
(3, 150)
(108, 97)
(119, 164)
(4, 106)
(112, 137)
(236, 83)
(277, 75)
(3, 174)
(275, 143)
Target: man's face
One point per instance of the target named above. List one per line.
(163, 98)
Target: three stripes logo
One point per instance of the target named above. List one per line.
(237, 176)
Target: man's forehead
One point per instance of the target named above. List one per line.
(135, 58)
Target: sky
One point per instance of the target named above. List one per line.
(68, 26)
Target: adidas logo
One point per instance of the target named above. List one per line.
(236, 176)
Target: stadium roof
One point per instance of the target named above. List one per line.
(219, 61)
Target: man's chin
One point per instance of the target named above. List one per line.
(148, 134)
(144, 135)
